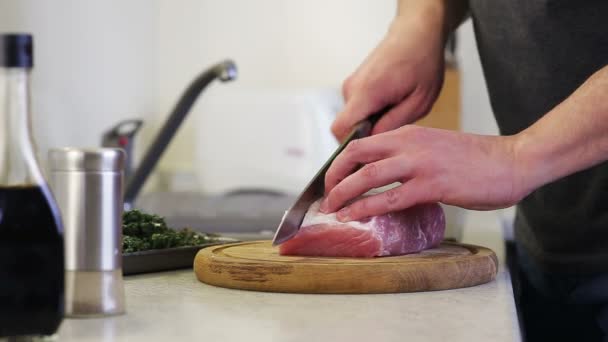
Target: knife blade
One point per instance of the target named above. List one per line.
(293, 217)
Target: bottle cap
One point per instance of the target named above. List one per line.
(16, 50)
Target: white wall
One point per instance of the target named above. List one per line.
(275, 42)
(94, 64)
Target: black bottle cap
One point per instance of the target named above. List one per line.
(16, 50)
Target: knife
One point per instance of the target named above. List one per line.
(292, 219)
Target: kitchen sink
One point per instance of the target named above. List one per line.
(244, 215)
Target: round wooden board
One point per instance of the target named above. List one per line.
(257, 266)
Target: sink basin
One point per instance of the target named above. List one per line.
(244, 215)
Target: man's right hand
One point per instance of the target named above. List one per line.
(405, 71)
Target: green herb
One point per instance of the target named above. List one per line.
(143, 231)
(132, 244)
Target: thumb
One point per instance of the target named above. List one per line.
(356, 109)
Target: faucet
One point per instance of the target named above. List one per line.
(224, 71)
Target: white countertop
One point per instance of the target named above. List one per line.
(174, 306)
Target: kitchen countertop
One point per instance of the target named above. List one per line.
(174, 306)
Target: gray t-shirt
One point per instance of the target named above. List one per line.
(534, 54)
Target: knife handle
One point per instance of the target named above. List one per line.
(374, 118)
(364, 128)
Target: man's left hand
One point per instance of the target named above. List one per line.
(466, 170)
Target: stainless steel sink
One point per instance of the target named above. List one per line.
(244, 215)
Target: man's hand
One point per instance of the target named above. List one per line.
(405, 71)
(466, 170)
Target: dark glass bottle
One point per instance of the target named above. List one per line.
(31, 233)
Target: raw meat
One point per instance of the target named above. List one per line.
(402, 232)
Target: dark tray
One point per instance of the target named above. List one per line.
(157, 260)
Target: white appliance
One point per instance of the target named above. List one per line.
(263, 139)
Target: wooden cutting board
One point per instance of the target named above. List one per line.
(257, 266)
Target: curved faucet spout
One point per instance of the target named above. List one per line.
(224, 71)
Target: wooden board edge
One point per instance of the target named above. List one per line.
(270, 278)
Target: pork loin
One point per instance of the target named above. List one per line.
(402, 232)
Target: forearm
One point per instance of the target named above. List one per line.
(571, 137)
(440, 15)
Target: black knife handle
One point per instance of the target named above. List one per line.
(374, 118)
(364, 128)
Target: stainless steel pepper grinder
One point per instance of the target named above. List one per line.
(88, 187)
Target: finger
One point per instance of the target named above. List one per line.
(409, 110)
(356, 109)
(370, 176)
(347, 86)
(401, 197)
(357, 152)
